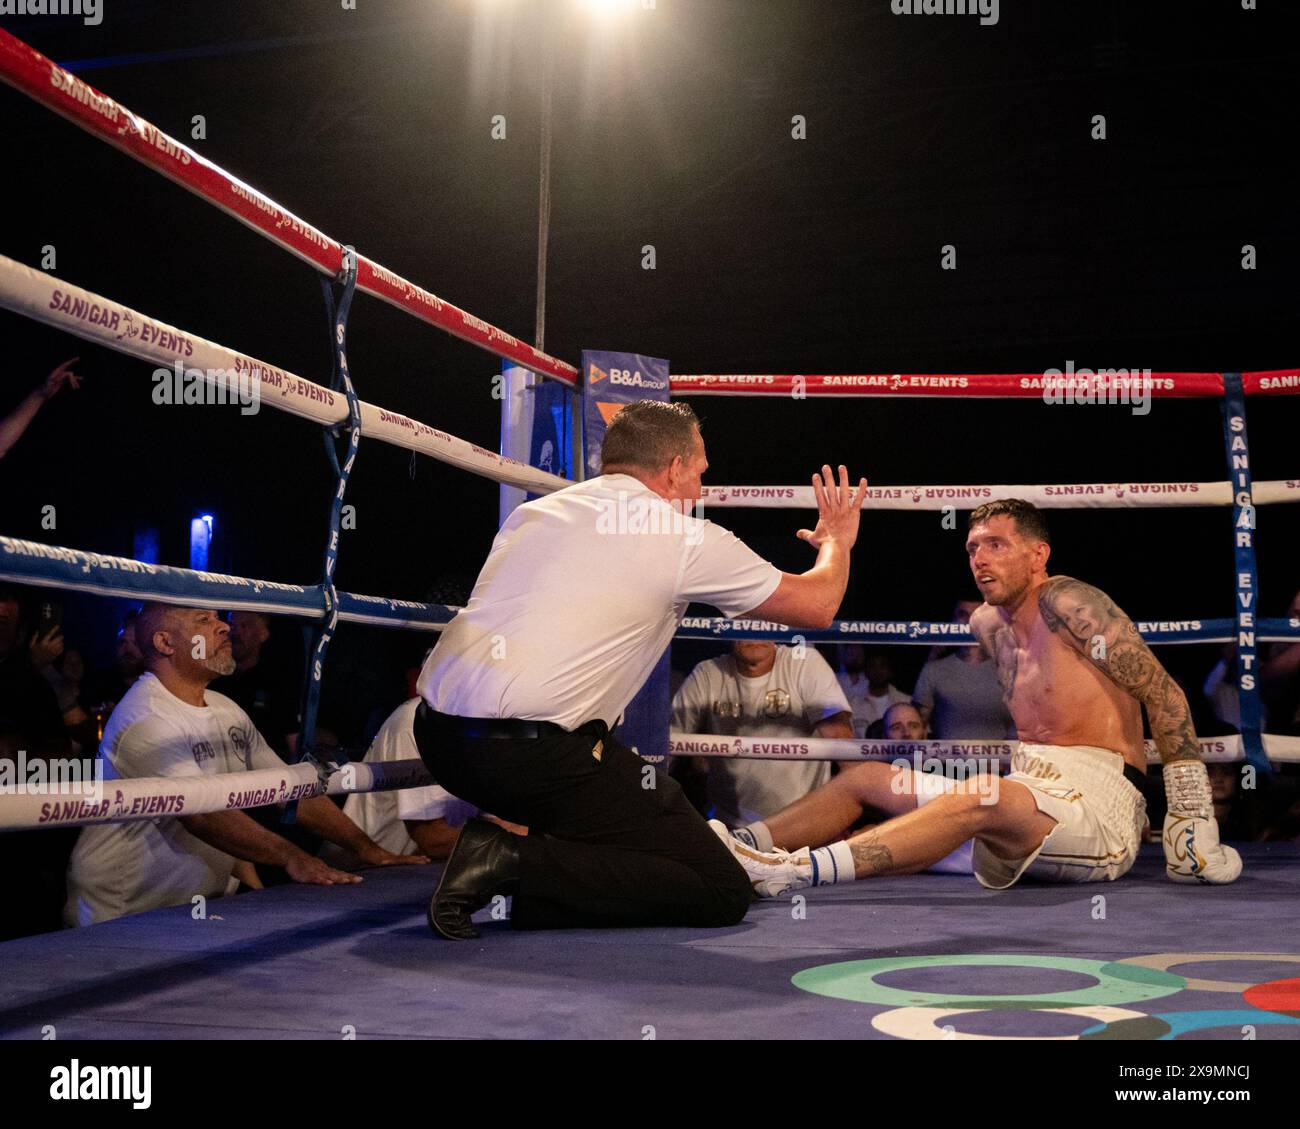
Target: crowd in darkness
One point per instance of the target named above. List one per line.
(53, 704)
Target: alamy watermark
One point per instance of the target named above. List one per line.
(219, 386)
(51, 776)
(637, 514)
(78, 1082)
(1105, 386)
(981, 775)
(91, 11)
(987, 10)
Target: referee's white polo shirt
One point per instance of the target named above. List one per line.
(581, 594)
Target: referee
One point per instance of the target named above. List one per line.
(580, 595)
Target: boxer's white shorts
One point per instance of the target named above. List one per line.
(1099, 817)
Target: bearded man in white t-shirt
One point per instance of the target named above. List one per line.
(762, 689)
(579, 598)
(169, 724)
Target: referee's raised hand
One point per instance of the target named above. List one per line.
(839, 509)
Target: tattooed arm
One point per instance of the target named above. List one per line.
(1088, 620)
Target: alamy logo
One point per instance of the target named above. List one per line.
(91, 11)
(1104, 386)
(648, 514)
(181, 385)
(987, 10)
(51, 776)
(102, 1083)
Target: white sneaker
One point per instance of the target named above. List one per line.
(771, 873)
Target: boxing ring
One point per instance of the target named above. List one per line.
(1137, 959)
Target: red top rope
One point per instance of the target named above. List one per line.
(959, 385)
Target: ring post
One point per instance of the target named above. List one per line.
(517, 385)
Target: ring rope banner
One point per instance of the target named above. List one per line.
(1046, 496)
(102, 321)
(139, 798)
(1121, 382)
(934, 756)
(54, 566)
(1104, 386)
(917, 633)
(51, 566)
(154, 797)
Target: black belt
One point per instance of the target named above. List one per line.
(1135, 776)
(492, 728)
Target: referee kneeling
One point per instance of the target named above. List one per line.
(580, 595)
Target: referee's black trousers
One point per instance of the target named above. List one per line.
(611, 841)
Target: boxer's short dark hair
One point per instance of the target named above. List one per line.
(648, 435)
(1029, 519)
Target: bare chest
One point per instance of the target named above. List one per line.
(1044, 681)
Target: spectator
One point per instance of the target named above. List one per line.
(170, 724)
(903, 722)
(1266, 811)
(16, 422)
(1220, 692)
(266, 682)
(103, 688)
(1279, 680)
(72, 666)
(867, 681)
(63, 671)
(959, 694)
(410, 821)
(762, 690)
(26, 700)
(108, 686)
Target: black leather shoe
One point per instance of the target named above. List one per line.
(484, 863)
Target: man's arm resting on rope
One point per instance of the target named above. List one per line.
(1193, 852)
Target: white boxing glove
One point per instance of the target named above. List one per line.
(1193, 852)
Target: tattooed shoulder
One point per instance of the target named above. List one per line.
(1081, 609)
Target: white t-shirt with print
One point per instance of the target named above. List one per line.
(795, 696)
(121, 868)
